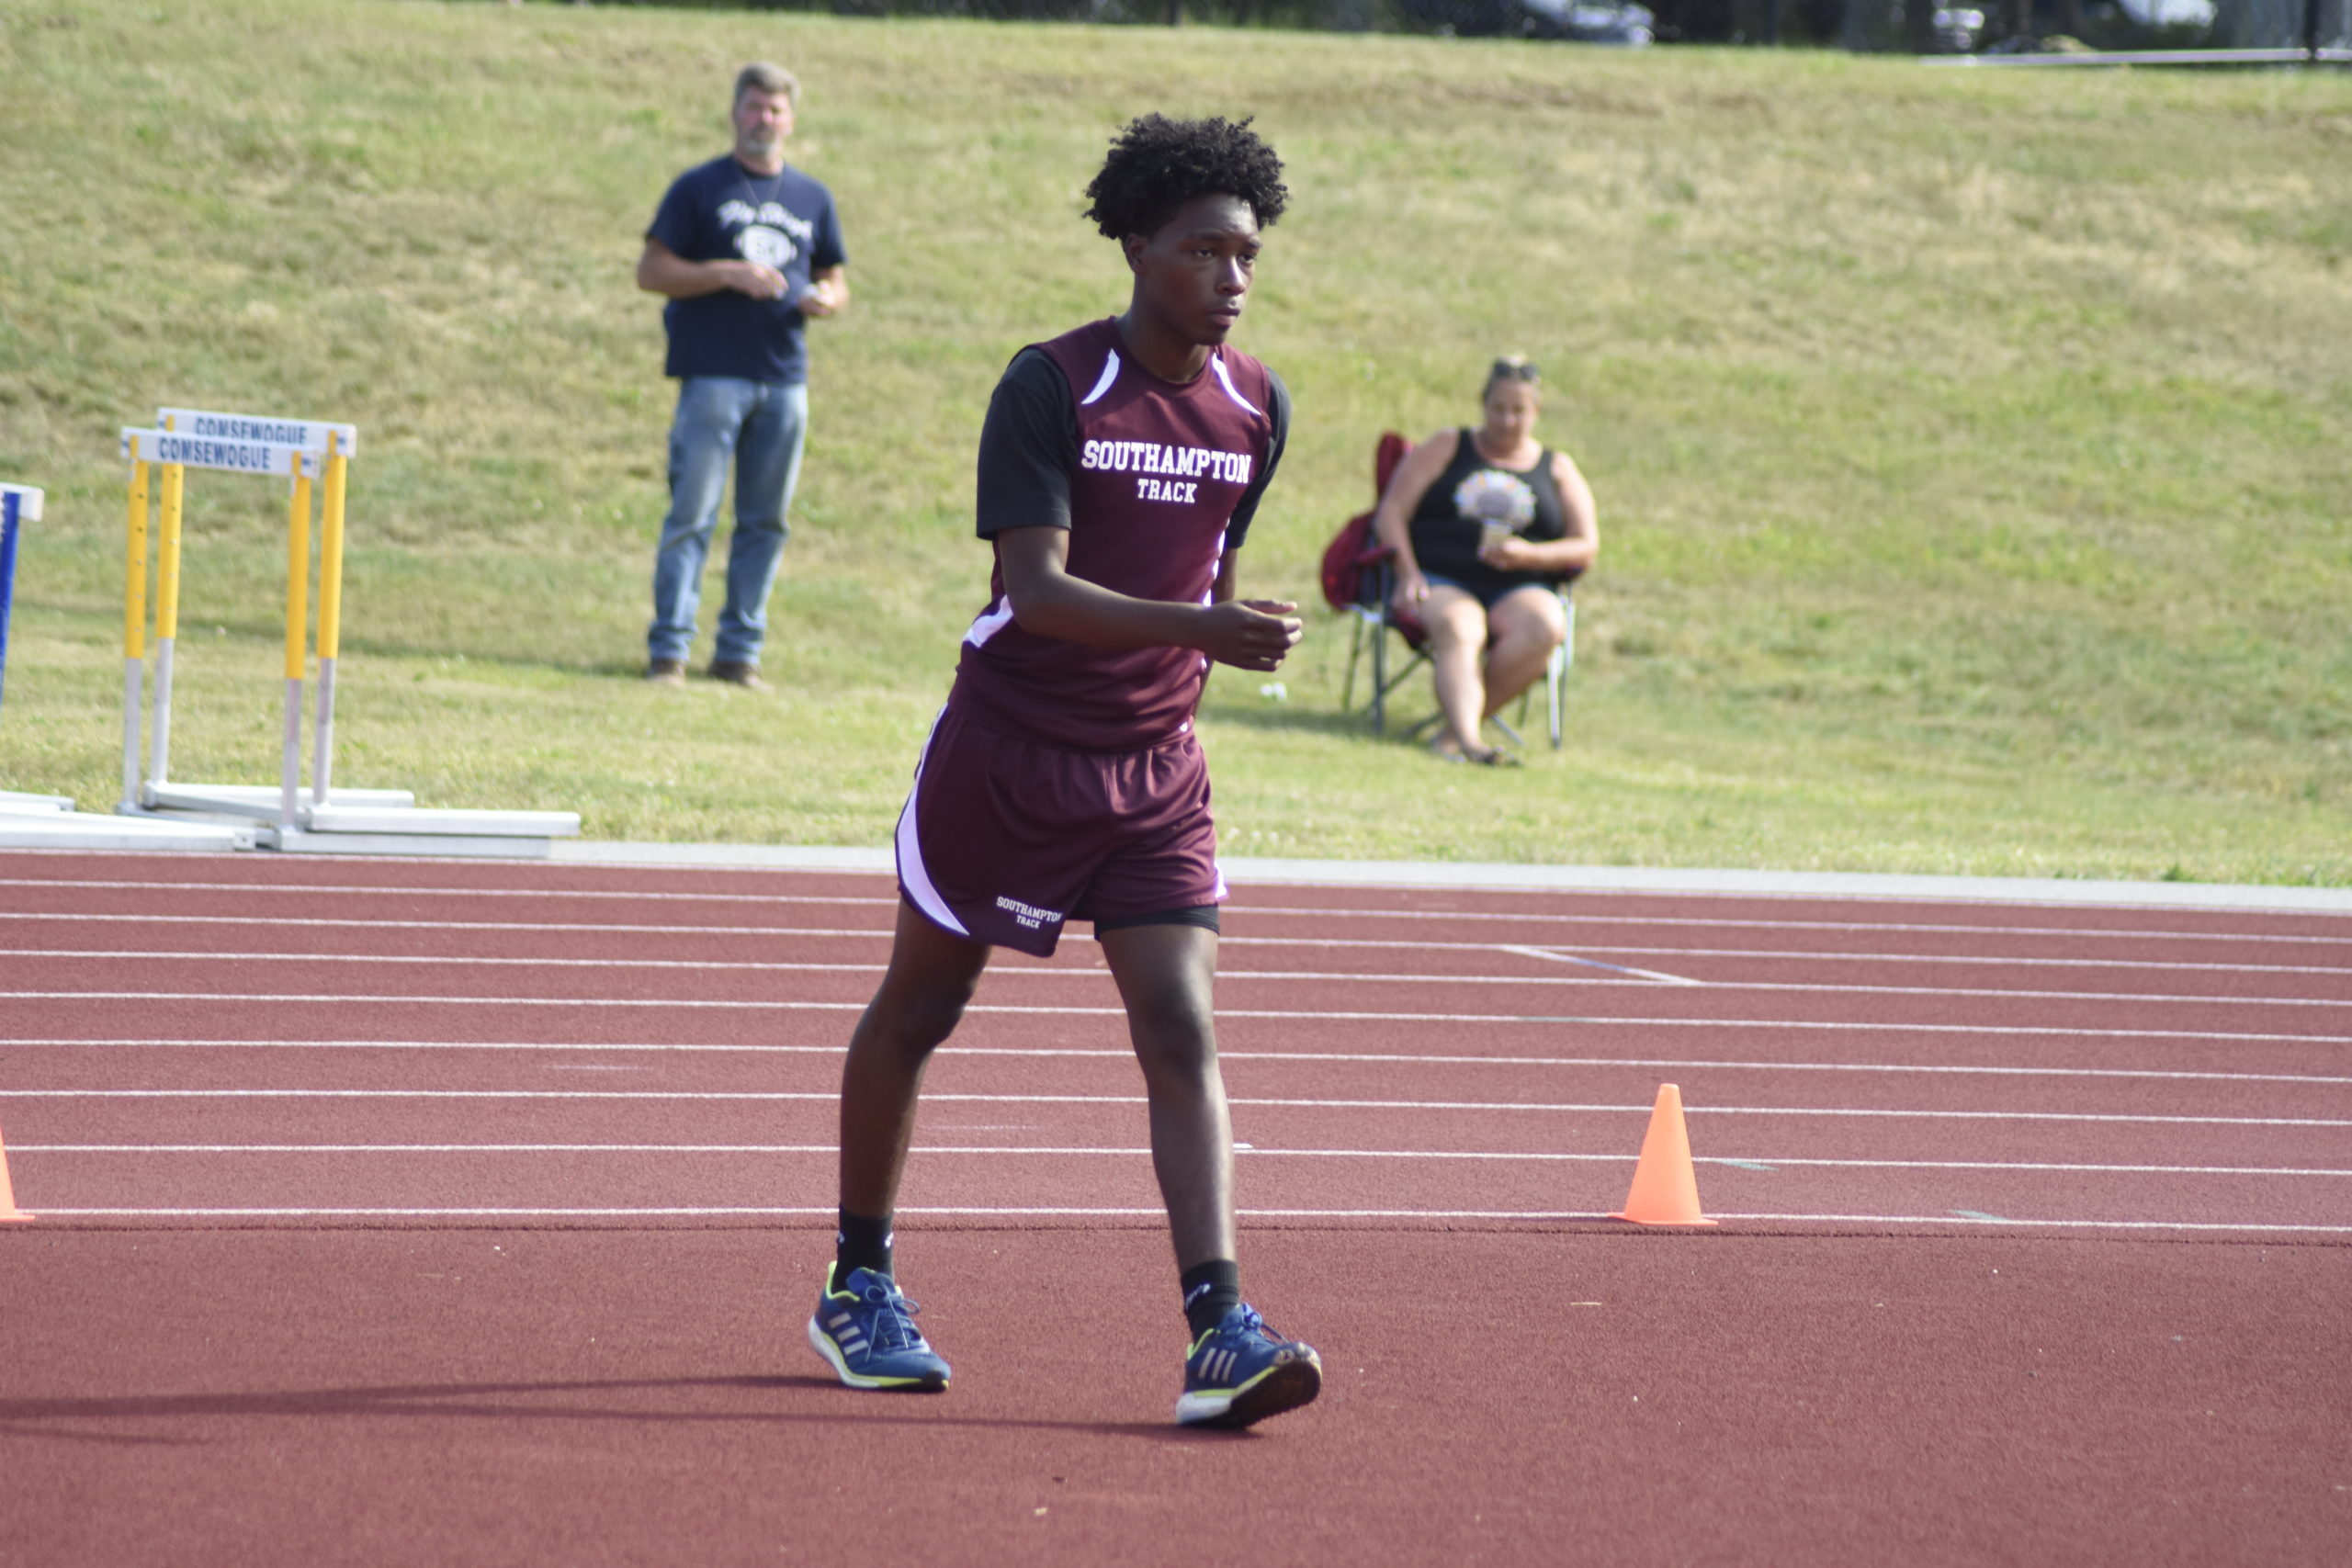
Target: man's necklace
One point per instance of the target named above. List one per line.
(775, 187)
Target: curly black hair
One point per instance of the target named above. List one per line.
(1157, 165)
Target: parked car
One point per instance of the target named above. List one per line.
(1625, 23)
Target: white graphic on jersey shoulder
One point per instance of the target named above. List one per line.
(1492, 496)
(1217, 364)
(1102, 383)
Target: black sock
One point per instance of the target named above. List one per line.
(1209, 1289)
(861, 1243)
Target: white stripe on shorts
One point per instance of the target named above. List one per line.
(911, 871)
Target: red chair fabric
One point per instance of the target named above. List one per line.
(1349, 579)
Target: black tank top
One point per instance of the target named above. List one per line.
(1448, 525)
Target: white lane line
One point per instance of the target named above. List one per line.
(345, 998)
(1433, 917)
(1547, 955)
(1225, 977)
(1224, 1013)
(305, 922)
(1989, 1029)
(2012, 1221)
(1115, 1053)
(1997, 961)
(833, 1095)
(1555, 954)
(1450, 917)
(1065, 972)
(478, 961)
(1765, 1163)
(1160, 1215)
(395, 890)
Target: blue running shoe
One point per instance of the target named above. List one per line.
(1241, 1372)
(865, 1330)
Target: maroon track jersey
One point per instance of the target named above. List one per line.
(1155, 474)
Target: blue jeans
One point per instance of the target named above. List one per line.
(762, 425)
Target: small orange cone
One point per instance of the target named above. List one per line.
(7, 1194)
(1665, 1190)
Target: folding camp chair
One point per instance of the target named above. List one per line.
(1357, 578)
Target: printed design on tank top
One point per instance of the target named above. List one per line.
(1492, 495)
(1216, 363)
(990, 622)
(1165, 473)
(1102, 382)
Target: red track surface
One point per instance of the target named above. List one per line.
(464, 1213)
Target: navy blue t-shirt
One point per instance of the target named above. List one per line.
(722, 211)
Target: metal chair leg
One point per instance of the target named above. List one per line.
(1355, 647)
(1555, 669)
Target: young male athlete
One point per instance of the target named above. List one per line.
(1119, 469)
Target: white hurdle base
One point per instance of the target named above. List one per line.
(50, 822)
(344, 814)
(261, 801)
(358, 822)
(485, 846)
(12, 801)
(235, 817)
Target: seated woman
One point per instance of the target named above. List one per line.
(1485, 524)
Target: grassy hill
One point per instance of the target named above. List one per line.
(1974, 449)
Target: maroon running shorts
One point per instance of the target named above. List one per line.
(1003, 838)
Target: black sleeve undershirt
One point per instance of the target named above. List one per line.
(1029, 449)
(1245, 510)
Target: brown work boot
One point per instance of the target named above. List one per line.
(736, 673)
(666, 672)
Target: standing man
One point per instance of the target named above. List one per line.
(745, 249)
(1120, 467)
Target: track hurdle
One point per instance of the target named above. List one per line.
(327, 448)
(332, 445)
(18, 504)
(159, 460)
(347, 820)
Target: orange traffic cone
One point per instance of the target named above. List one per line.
(7, 1194)
(1665, 1190)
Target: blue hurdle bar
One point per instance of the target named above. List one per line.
(19, 504)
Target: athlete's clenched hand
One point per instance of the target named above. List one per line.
(1249, 634)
